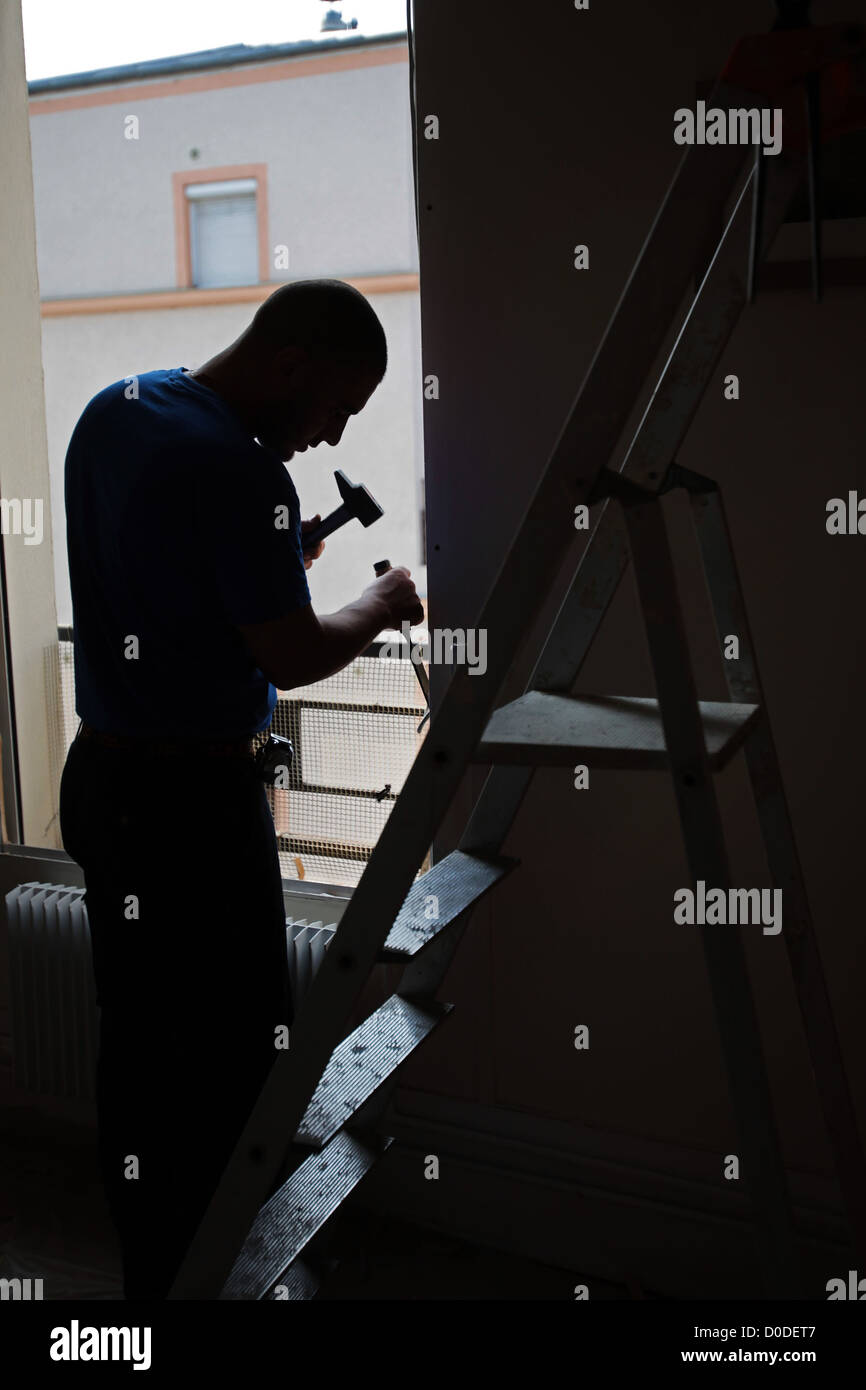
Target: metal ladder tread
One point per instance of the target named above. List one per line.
(456, 883)
(298, 1285)
(297, 1212)
(364, 1061)
(607, 731)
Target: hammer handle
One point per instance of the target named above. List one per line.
(331, 523)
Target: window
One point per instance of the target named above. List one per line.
(223, 233)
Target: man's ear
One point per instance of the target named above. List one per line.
(288, 359)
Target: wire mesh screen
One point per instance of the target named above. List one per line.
(355, 737)
(62, 719)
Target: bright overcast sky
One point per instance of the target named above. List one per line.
(62, 36)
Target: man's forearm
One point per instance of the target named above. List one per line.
(346, 633)
(302, 647)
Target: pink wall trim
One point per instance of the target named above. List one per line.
(399, 283)
(225, 77)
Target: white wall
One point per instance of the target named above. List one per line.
(23, 460)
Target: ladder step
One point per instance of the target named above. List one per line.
(364, 1061)
(455, 883)
(609, 731)
(297, 1212)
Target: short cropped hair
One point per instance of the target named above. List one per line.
(328, 318)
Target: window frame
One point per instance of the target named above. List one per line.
(226, 173)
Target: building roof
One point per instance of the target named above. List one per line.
(231, 56)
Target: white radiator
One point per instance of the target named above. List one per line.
(52, 992)
(306, 943)
(55, 1019)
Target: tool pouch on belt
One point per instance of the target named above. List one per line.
(274, 761)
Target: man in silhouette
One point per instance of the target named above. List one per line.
(191, 609)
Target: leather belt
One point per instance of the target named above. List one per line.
(176, 747)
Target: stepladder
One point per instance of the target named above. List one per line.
(321, 1120)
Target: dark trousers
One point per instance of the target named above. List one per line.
(188, 938)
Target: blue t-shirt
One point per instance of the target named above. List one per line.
(179, 527)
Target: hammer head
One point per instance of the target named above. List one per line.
(361, 503)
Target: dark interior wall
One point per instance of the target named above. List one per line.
(556, 128)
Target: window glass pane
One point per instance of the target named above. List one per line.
(224, 240)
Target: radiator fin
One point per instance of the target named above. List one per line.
(54, 1015)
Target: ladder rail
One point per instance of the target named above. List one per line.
(651, 298)
(681, 386)
(801, 943)
(657, 437)
(706, 329)
(763, 1169)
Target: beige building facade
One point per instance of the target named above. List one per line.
(173, 196)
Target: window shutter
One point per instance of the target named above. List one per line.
(224, 244)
